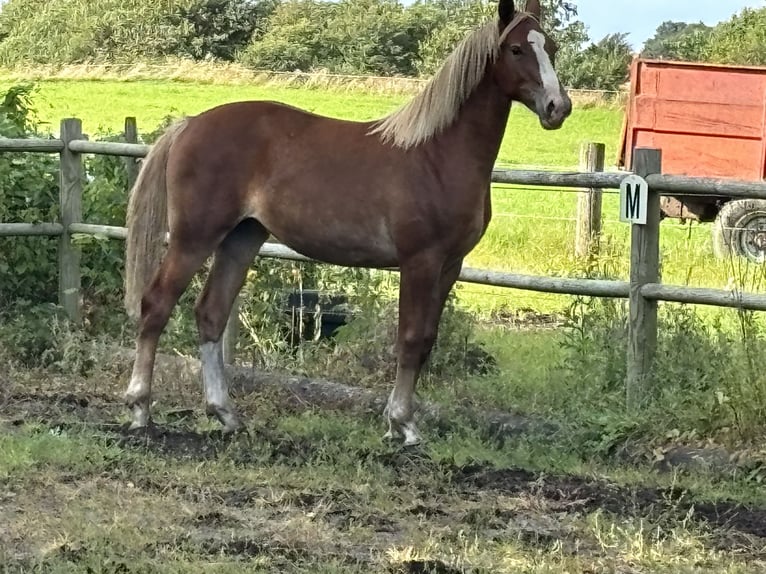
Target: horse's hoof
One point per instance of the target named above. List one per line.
(135, 425)
(411, 435)
(227, 418)
(232, 427)
(407, 431)
(140, 417)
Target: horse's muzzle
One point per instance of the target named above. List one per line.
(555, 110)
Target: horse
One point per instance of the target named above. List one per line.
(409, 191)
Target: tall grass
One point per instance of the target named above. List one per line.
(231, 73)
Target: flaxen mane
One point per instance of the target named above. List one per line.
(438, 104)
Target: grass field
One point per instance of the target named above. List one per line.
(311, 491)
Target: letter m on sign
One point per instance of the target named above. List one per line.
(634, 196)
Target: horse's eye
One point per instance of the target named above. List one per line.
(516, 50)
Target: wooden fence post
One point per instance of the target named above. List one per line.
(131, 163)
(589, 202)
(644, 268)
(70, 208)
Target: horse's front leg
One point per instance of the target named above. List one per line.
(418, 294)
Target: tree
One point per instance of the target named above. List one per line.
(604, 65)
(459, 17)
(378, 37)
(220, 28)
(741, 40)
(294, 38)
(453, 20)
(678, 41)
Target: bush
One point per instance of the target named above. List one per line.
(71, 31)
(378, 37)
(28, 194)
(221, 28)
(604, 65)
(40, 336)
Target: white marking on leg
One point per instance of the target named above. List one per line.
(136, 399)
(135, 387)
(138, 394)
(396, 410)
(211, 355)
(216, 389)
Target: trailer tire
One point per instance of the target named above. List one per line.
(740, 230)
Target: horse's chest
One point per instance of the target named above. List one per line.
(472, 227)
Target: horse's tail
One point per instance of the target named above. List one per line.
(147, 220)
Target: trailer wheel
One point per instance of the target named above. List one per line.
(740, 229)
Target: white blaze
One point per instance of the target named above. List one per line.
(550, 80)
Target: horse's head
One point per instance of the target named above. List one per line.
(524, 68)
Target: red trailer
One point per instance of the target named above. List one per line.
(709, 121)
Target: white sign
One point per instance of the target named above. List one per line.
(634, 196)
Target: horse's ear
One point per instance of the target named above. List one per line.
(533, 7)
(506, 10)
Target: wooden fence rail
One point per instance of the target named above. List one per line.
(643, 291)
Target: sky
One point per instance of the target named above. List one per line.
(640, 18)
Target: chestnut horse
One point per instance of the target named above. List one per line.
(411, 190)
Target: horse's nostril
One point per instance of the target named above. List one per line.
(550, 108)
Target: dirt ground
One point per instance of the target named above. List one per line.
(323, 496)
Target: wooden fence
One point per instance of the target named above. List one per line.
(644, 289)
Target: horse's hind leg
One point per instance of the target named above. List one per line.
(173, 276)
(418, 294)
(227, 275)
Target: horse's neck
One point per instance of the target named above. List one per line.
(474, 138)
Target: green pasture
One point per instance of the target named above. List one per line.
(533, 229)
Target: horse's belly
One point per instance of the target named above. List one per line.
(347, 245)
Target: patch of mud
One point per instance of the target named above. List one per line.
(244, 546)
(426, 510)
(345, 518)
(247, 547)
(214, 519)
(410, 464)
(51, 406)
(573, 493)
(733, 516)
(425, 567)
(531, 528)
(245, 447)
(566, 493)
(177, 443)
